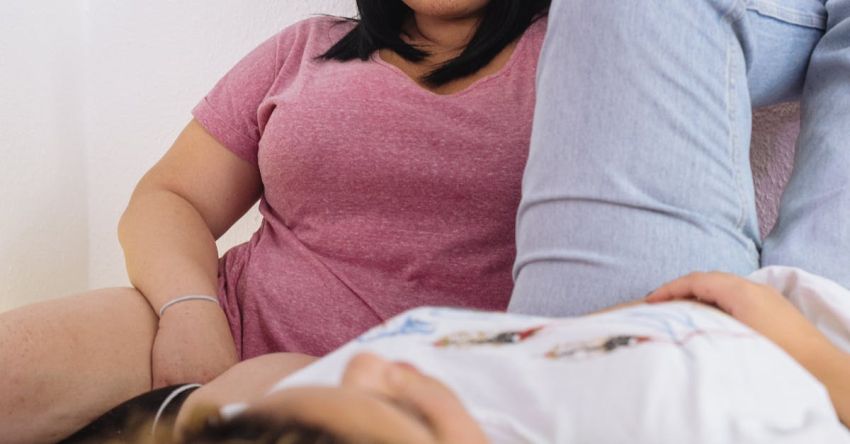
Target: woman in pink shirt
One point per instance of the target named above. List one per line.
(386, 154)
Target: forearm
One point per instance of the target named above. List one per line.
(620, 306)
(168, 248)
(831, 367)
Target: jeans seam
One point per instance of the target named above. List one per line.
(733, 133)
(786, 14)
(735, 12)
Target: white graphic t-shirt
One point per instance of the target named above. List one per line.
(669, 373)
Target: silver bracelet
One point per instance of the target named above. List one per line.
(184, 299)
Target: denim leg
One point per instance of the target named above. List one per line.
(813, 231)
(639, 165)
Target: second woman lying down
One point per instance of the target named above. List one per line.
(666, 372)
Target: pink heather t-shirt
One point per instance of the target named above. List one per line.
(379, 196)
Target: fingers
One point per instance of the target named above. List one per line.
(720, 289)
(190, 352)
(167, 371)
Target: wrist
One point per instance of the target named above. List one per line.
(194, 315)
(187, 300)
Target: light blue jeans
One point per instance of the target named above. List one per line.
(639, 168)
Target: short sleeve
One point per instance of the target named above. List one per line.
(230, 110)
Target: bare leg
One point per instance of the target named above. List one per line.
(66, 362)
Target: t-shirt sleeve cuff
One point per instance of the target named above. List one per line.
(243, 146)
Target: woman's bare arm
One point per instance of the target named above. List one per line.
(177, 211)
(620, 306)
(168, 232)
(832, 368)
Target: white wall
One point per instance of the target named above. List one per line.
(92, 93)
(150, 63)
(43, 212)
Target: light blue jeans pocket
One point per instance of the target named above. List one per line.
(639, 166)
(809, 13)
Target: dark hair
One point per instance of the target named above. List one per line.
(261, 430)
(379, 26)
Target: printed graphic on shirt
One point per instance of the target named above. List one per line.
(410, 325)
(595, 347)
(674, 326)
(483, 338)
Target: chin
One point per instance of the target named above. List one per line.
(447, 8)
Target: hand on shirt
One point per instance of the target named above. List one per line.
(761, 307)
(768, 312)
(193, 345)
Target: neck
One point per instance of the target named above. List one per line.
(440, 35)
